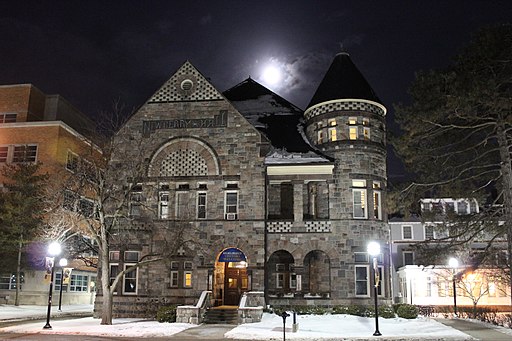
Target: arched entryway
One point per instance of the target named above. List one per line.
(230, 278)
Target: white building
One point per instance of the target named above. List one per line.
(432, 284)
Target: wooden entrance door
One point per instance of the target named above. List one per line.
(235, 283)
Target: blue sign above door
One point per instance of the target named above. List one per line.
(232, 254)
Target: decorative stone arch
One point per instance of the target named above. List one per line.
(184, 156)
(317, 273)
(280, 267)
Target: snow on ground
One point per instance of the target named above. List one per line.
(11, 312)
(90, 326)
(311, 327)
(318, 327)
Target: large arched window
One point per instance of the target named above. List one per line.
(184, 157)
(282, 278)
(317, 268)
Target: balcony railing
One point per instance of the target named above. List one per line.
(308, 226)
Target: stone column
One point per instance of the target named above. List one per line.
(298, 201)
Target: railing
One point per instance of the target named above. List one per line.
(251, 307)
(194, 313)
(307, 226)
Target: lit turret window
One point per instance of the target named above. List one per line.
(352, 133)
(366, 128)
(359, 199)
(332, 130)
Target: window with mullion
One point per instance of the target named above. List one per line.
(361, 280)
(359, 200)
(231, 204)
(24, 153)
(163, 210)
(78, 283)
(407, 232)
(4, 154)
(201, 205)
(130, 280)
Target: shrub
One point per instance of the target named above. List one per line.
(339, 309)
(317, 310)
(166, 314)
(358, 310)
(407, 311)
(386, 311)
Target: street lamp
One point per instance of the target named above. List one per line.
(53, 250)
(454, 263)
(62, 263)
(373, 249)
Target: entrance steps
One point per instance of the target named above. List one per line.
(221, 315)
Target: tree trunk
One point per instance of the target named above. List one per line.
(106, 309)
(506, 171)
(18, 271)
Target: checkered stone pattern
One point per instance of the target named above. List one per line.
(318, 226)
(171, 91)
(183, 163)
(279, 226)
(344, 106)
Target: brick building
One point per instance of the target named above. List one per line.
(278, 200)
(46, 129)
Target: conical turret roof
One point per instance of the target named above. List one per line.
(343, 80)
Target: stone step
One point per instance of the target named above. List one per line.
(221, 316)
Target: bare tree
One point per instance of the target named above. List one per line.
(111, 179)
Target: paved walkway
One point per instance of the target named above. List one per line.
(204, 332)
(476, 330)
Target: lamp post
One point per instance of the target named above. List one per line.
(53, 250)
(62, 263)
(373, 249)
(454, 263)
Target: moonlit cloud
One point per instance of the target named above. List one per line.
(299, 74)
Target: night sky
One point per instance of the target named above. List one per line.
(96, 52)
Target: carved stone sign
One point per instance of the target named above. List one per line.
(217, 121)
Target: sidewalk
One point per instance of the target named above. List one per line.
(11, 313)
(479, 331)
(312, 327)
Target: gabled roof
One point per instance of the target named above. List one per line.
(186, 84)
(342, 81)
(279, 120)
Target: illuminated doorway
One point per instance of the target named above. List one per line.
(230, 278)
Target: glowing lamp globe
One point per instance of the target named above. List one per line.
(373, 248)
(54, 249)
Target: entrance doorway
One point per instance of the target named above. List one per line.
(231, 279)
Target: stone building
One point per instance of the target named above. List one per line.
(264, 196)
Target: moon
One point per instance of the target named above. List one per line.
(271, 75)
